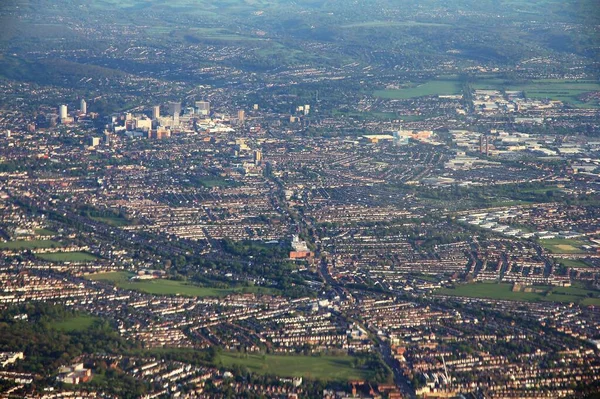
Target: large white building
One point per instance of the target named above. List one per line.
(63, 112)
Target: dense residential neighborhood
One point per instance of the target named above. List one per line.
(308, 199)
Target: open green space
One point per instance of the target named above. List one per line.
(170, 287)
(115, 221)
(562, 246)
(30, 244)
(392, 24)
(199, 34)
(216, 182)
(364, 115)
(573, 262)
(323, 367)
(77, 323)
(68, 257)
(431, 88)
(502, 291)
(426, 277)
(566, 91)
(412, 118)
(591, 301)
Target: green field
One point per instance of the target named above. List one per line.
(562, 246)
(113, 221)
(30, 244)
(199, 34)
(323, 367)
(572, 262)
(566, 91)
(434, 87)
(392, 24)
(170, 287)
(412, 118)
(364, 115)
(68, 257)
(575, 294)
(77, 323)
(216, 182)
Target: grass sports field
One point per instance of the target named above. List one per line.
(434, 87)
(30, 244)
(562, 246)
(169, 287)
(325, 367)
(575, 294)
(216, 182)
(113, 221)
(572, 262)
(68, 257)
(77, 323)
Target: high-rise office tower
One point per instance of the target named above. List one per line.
(174, 108)
(83, 106)
(63, 112)
(203, 108)
(156, 112)
(257, 157)
(241, 116)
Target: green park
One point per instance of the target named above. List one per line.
(503, 291)
(29, 244)
(75, 323)
(68, 257)
(324, 367)
(169, 287)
